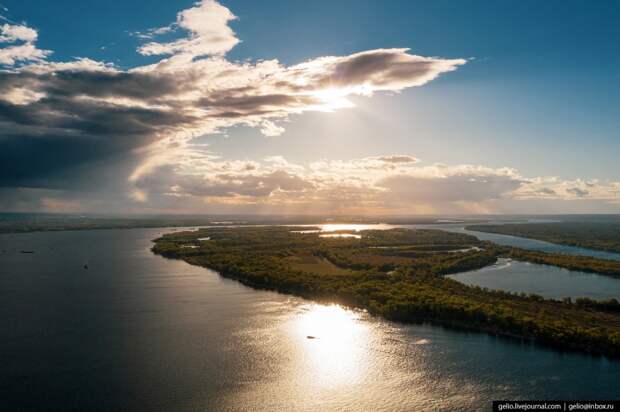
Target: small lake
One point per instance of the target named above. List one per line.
(138, 332)
(548, 281)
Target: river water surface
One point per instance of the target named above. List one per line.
(524, 243)
(139, 332)
(548, 281)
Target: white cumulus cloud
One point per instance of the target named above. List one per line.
(208, 32)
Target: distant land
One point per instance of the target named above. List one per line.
(599, 235)
(36, 222)
(24, 222)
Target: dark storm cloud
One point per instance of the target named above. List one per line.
(62, 129)
(111, 84)
(94, 83)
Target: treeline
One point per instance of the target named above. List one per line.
(591, 235)
(439, 263)
(610, 305)
(413, 290)
(571, 262)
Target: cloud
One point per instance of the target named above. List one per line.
(208, 32)
(93, 110)
(149, 34)
(398, 159)
(20, 53)
(366, 185)
(86, 125)
(10, 33)
(270, 129)
(451, 184)
(577, 189)
(375, 70)
(243, 181)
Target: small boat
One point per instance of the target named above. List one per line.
(26, 251)
(85, 266)
(310, 337)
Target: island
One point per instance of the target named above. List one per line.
(598, 235)
(398, 274)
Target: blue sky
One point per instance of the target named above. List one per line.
(539, 92)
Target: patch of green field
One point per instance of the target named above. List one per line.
(314, 264)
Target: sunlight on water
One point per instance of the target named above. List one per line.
(332, 227)
(333, 350)
(350, 235)
(202, 342)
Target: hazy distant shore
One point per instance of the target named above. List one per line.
(22, 223)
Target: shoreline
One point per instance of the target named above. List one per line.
(455, 326)
(436, 299)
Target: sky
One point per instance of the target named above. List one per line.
(322, 107)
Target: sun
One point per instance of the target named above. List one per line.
(332, 99)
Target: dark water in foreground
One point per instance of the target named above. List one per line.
(138, 332)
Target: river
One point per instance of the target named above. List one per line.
(522, 242)
(135, 331)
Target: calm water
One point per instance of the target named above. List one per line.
(505, 240)
(548, 281)
(524, 243)
(139, 332)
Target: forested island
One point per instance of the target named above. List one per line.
(599, 235)
(398, 274)
(571, 262)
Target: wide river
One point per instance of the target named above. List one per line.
(139, 332)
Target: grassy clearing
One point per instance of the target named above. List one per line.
(315, 265)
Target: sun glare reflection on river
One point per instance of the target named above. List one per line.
(334, 343)
(332, 227)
